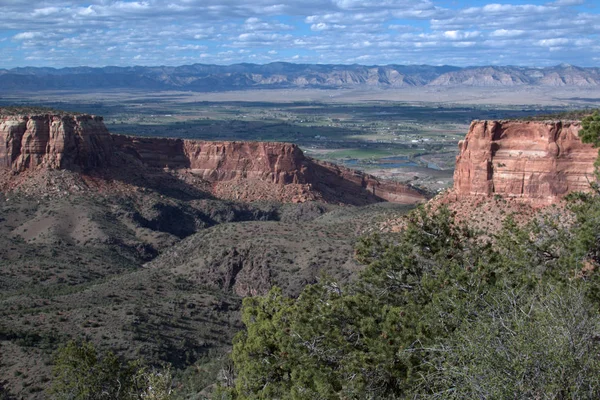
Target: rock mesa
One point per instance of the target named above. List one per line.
(538, 162)
(241, 170)
(53, 141)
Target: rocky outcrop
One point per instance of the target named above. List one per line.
(237, 170)
(54, 141)
(270, 162)
(339, 184)
(534, 161)
(219, 161)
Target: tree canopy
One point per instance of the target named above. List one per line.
(438, 312)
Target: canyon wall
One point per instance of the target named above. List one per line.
(534, 161)
(334, 180)
(53, 141)
(82, 143)
(219, 161)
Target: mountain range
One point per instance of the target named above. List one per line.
(278, 75)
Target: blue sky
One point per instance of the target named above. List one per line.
(63, 33)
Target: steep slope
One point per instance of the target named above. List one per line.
(74, 265)
(249, 258)
(54, 141)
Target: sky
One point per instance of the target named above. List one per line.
(69, 33)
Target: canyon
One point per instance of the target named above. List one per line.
(535, 161)
(147, 245)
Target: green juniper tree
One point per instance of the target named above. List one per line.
(590, 129)
(421, 319)
(80, 373)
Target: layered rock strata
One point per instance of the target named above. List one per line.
(82, 143)
(538, 162)
(54, 141)
(219, 161)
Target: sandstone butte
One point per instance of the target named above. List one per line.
(537, 162)
(83, 144)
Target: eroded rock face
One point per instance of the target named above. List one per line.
(344, 185)
(534, 161)
(276, 163)
(236, 170)
(219, 161)
(59, 142)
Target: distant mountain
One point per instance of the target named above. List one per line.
(206, 78)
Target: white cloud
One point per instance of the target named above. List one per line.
(46, 11)
(321, 26)
(553, 42)
(460, 35)
(187, 47)
(27, 35)
(410, 31)
(507, 33)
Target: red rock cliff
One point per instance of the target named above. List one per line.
(272, 162)
(533, 161)
(239, 170)
(219, 161)
(53, 141)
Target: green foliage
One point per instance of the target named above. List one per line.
(81, 374)
(365, 340)
(152, 383)
(524, 344)
(316, 347)
(437, 313)
(260, 352)
(590, 129)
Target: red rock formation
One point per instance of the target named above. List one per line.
(53, 141)
(237, 170)
(277, 163)
(344, 184)
(219, 161)
(534, 161)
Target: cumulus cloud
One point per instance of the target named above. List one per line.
(28, 35)
(152, 32)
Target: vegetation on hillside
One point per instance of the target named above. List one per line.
(439, 313)
(590, 132)
(83, 374)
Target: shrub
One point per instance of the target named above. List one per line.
(80, 373)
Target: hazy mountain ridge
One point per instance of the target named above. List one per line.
(204, 77)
